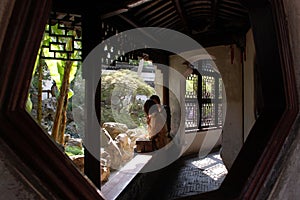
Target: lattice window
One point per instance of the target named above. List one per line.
(191, 115)
(204, 88)
(191, 86)
(208, 87)
(64, 37)
(220, 114)
(220, 88)
(191, 104)
(207, 115)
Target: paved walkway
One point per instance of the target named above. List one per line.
(190, 176)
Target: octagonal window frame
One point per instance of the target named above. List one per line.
(26, 138)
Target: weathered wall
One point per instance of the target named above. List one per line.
(289, 179)
(204, 142)
(177, 93)
(227, 59)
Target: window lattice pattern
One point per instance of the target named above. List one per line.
(191, 86)
(208, 87)
(191, 115)
(220, 114)
(206, 66)
(220, 88)
(207, 117)
(63, 37)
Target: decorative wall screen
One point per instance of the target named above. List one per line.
(64, 37)
(192, 111)
(203, 91)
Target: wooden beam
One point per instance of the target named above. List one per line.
(201, 8)
(182, 15)
(158, 15)
(114, 13)
(170, 24)
(214, 12)
(155, 11)
(146, 7)
(234, 8)
(194, 3)
(167, 17)
(130, 22)
(135, 25)
(233, 13)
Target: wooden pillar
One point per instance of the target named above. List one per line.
(91, 37)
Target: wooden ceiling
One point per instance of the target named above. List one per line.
(210, 22)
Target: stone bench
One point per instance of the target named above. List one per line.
(121, 179)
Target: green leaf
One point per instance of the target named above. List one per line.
(53, 66)
(61, 69)
(28, 104)
(70, 93)
(74, 150)
(73, 71)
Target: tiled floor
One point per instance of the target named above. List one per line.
(191, 175)
(198, 175)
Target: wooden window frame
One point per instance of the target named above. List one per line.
(199, 100)
(18, 129)
(249, 175)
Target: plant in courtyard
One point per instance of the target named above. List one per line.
(119, 103)
(62, 72)
(73, 150)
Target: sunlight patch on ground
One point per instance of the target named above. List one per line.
(212, 166)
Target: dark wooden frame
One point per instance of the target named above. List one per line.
(18, 129)
(253, 164)
(249, 176)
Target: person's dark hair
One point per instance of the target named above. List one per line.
(150, 107)
(155, 98)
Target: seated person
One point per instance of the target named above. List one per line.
(157, 127)
(165, 109)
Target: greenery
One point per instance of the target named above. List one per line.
(119, 103)
(119, 89)
(191, 84)
(73, 150)
(61, 71)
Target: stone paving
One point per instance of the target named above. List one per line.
(198, 176)
(192, 175)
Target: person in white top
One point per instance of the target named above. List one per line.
(165, 110)
(157, 127)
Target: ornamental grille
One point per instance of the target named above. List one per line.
(62, 37)
(191, 115)
(206, 90)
